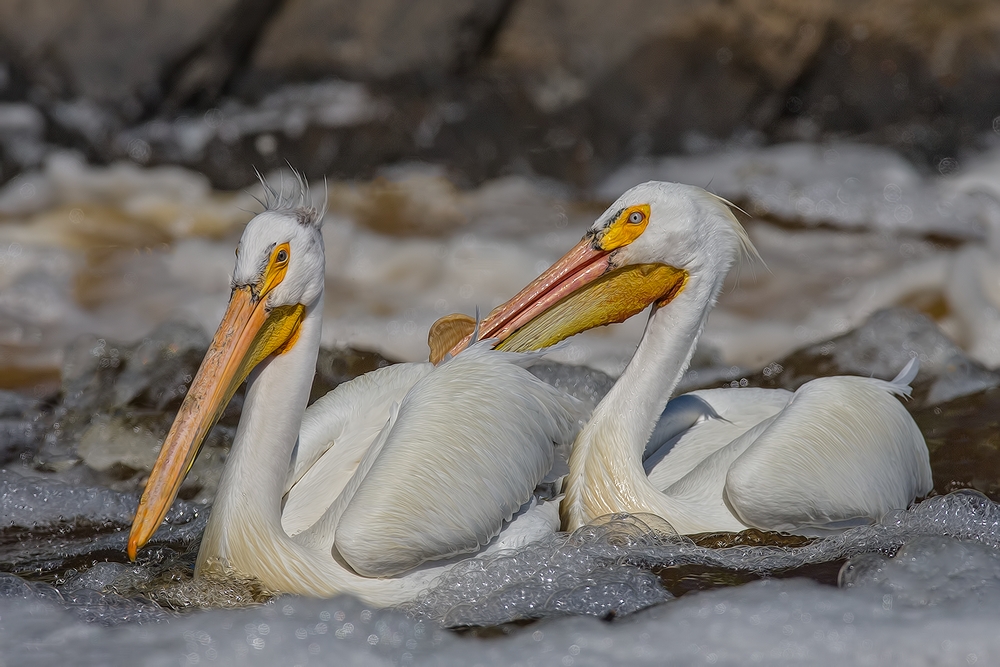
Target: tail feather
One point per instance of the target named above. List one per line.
(900, 385)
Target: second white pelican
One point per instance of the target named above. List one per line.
(381, 479)
(839, 451)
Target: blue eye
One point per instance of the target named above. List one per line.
(635, 217)
(282, 256)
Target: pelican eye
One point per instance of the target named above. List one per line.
(274, 273)
(626, 227)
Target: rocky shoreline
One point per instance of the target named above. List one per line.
(563, 88)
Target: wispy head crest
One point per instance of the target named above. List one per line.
(748, 250)
(297, 201)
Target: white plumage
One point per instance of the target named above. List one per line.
(778, 460)
(390, 475)
(838, 451)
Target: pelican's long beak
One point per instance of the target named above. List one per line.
(248, 334)
(579, 292)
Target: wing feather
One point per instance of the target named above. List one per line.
(843, 449)
(336, 432)
(472, 441)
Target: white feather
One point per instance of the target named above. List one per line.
(837, 451)
(404, 465)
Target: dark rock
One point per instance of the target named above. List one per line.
(118, 402)
(19, 425)
(881, 347)
(109, 51)
(646, 76)
(374, 40)
(963, 436)
(203, 73)
(341, 365)
(556, 87)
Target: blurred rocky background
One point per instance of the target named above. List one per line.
(562, 88)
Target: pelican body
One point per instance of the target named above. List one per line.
(380, 485)
(837, 452)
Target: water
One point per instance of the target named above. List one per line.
(112, 277)
(933, 603)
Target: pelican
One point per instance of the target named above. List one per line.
(380, 485)
(837, 452)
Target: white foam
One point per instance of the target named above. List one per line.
(935, 602)
(175, 239)
(847, 185)
(288, 110)
(46, 505)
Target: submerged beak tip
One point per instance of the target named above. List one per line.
(133, 545)
(137, 536)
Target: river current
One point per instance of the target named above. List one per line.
(112, 278)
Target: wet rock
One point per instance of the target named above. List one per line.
(791, 70)
(585, 384)
(110, 51)
(670, 45)
(909, 73)
(47, 526)
(963, 436)
(116, 406)
(109, 442)
(19, 425)
(340, 365)
(118, 402)
(446, 80)
(880, 348)
(156, 375)
(374, 39)
(266, 131)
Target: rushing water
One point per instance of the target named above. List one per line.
(112, 277)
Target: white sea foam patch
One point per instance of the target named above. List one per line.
(564, 571)
(115, 251)
(824, 283)
(848, 185)
(934, 602)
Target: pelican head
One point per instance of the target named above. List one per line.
(278, 276)
(672, 224)
(642, 250)
(280, 257)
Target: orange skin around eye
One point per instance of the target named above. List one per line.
(623, 231)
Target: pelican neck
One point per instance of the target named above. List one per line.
(254, 476)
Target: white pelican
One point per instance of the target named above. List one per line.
(379, 480)
(839, 451)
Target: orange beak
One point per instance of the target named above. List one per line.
(579, 292)
(248, 334)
